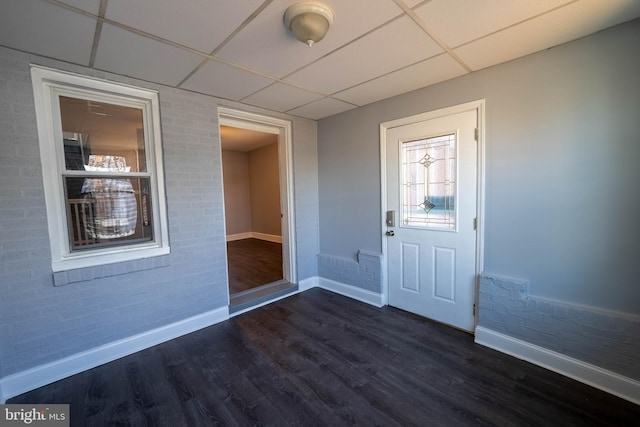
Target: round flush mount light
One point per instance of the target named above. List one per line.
(309, 21)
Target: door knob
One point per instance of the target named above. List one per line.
(390, 233)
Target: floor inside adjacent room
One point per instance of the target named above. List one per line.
(255, 273)
(253, 263)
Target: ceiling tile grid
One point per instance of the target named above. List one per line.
(460, 21)
(323, 108)
(265, 44)
(91, 6)
(545, 31)
(200, 25)
(428, 72)
(240, 50)
(398, 43)
(281, 97)
(133, 55)
(47, 29)
(219, 79)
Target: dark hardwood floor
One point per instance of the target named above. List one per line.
(253, 263)
(320, 359)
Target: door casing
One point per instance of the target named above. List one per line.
(479, 106)
(282, 128)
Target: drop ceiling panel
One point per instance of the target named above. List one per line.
(46, 29)
(323, 108)
(281, 97)
(254, 46)
(218, 79)
(567, 23)
(461, 21)
(387, 49)
(126, 53)
(425, 73)
(91, 6)
(198, 24)
(372, 51)
(412, 3)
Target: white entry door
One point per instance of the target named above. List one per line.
(431, 217)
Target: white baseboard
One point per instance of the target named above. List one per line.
(592, 375)
(330, 285)
(309, 283)
(238, 236)
(254, 235)
(33, 378)
(267, 237)
(350, 291)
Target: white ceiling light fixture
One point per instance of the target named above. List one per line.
(309, 21)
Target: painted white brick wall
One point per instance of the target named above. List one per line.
(607, 339)
(41, 322)
(365, 272)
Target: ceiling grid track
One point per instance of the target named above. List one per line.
(244, 41)
(240, 27)
(411, 14)
(96, 37)
(515, 24)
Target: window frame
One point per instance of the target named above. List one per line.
(48, 85)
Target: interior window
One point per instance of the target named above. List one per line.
(108, 204)
(101, 156)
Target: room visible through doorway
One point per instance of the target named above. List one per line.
(253, 211)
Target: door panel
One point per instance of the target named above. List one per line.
(410, 267)
(444, 274)
(431, 186)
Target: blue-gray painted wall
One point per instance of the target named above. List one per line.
(40, 322)
(562, 174)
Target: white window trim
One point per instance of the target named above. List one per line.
(46, 83)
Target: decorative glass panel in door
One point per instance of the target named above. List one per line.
(429, 182)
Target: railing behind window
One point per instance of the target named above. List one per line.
(80, 211)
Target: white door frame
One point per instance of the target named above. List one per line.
(473, 105)
(282, 128)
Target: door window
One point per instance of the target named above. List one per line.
(428, 184)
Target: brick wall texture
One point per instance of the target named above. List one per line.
(45, 317)
(606, 339)
(365, 272)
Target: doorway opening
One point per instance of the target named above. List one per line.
(256, 164)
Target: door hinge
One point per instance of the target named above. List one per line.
(474, 309)
(476, 134)
(475, 223)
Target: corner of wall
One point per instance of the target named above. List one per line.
(601, 339)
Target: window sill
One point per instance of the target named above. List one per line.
(97, 258)
(61, 278)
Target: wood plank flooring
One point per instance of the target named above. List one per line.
(253, 262)
(320, 359)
